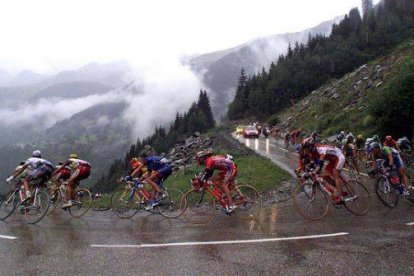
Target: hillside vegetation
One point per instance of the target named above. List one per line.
(377, 98)
(353, 42)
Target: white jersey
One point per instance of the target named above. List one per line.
(35, 162)
(327, 150)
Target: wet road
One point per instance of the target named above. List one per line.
(101, 244)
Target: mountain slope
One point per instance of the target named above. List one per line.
(220, 70)
(344, 104)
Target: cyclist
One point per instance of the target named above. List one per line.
(391, 157)
(158, 172)
(336, 160)
(80, 170)
(350, 151)
(226, 176)
(63, 174)
(389, 142)
(36, 167)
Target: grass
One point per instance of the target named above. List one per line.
(257, 171)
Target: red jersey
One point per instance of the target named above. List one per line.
(219, 162)
(391, 144)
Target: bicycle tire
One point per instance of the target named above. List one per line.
(83, 202)
(249, 205)
(55, 203)
(363, 198)
(170, 206)
(198, 207)
(117, 189)
(383, 195)
(309, 193)
(36, 212)
(124, 207)
(12, 195)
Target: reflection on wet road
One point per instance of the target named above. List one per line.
(277, 242)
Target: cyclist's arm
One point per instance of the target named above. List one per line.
(391, 159)
(16, 174)
(206, 175)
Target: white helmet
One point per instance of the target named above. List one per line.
(37, 153)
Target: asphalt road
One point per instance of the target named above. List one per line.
(278, 242)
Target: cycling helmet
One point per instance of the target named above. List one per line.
(73, 156)
(308, 143)
(37, 153)
(201, 156)
(350, 137)
(388, 138)
(374, 145)
(360, 137)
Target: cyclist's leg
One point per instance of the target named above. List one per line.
(152, 179)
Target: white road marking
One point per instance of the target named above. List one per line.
(364, 174)
(7, 237)
(217, 242)
(410, 223)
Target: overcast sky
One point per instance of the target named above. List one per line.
(50, 35)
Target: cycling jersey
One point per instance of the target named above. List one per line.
(75, 163)
(359, 143)
(227, 168)
(155, 163)
(38, 167)
(385, 152)
(349, 149)
(391, 144)
(333, 155)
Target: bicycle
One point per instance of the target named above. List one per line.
(353, 173)
(200, 202)
(389, 187)
(407, 157)
(128, 201)
(315, 193)
(82, 200)
(34, 208)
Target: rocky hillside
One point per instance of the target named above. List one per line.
(342, 104)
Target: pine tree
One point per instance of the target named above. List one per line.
(367, 6)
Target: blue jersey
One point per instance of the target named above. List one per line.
(154, 163)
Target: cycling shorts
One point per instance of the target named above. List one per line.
(164, 172)
(227, 177)
(397, 162)
(336, 163)
(82, 172)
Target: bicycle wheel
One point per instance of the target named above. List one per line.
(8, 204)
(36, 207)
(169, 207)
(358, 199)
(197, 207)
(118, 189)
(124, 205)
(248, 201)
(386, 192)
(55, 200)
(310, 201)
(81, 203)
